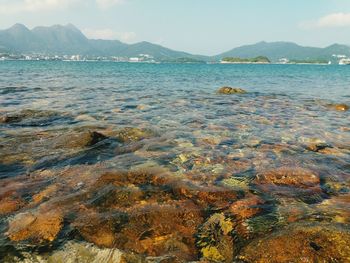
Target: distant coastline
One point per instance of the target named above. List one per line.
(69, 43)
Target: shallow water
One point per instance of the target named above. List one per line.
(260, 161)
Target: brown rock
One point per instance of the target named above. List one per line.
(130, 134)
(99, 229)
(289, 177)
(290, 182)
(79, 140)
(158, 230)
(301, 243)
(38, 227)
(341, 107)
(230, 90)
(317, 147)
(45, 194)
(247, 208)
(9, 205)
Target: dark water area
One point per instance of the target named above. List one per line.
(122, 162)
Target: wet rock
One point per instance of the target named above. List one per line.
(143, 107)
(37, 227)
(71, 252)
(317, 147)
(333, 151)
(32, 117)
(207, 197)
(215, 239)
(9, 205)
(247, 207)
(165, 259)
(129, 134)
(99, 229)
(85, 117)
(290, 181)
(301, 243)
(339, 107)
(45, 194)
(230, 90)
(336, 184)
(79, 140)
(238, 184)
(216, 197)
(158, 230)
(337, 208)
(258, 225)
(74, 252)
(25, 150)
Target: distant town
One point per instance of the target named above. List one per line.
(146, 58)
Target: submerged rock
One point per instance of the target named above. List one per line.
(32, 117)
(9, 205)
(79, 139)
(162, 229)
(71, 252)
(301, 243)
(36, 227)
(130, 134)
(289, 181)
(317, 147)
(339, 107)
(74, 252)
(99, 229)
(230, 90)
(247, 207)
(215, 239)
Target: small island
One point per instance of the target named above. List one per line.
(236, 60)
(309, 61)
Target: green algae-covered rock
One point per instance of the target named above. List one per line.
(230, 90)
(215, 239)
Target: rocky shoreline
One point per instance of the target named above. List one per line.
(102, 193)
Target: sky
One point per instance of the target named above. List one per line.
(205, 27)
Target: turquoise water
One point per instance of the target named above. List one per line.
(188, 129)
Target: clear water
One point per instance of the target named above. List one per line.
(201, 136)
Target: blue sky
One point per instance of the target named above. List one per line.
(198, 26)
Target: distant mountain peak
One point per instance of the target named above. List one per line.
(18, 27)
(71, 26)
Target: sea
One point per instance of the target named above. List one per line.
(106, 161)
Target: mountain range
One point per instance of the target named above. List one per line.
(69, 40)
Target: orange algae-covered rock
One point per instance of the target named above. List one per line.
(247, 207)
(293, 177)
(158, 230)
(291, 182)
(301, 243)
(216, 197)
(44, 194)
(38, 227)
(9, 205)
(99, 228)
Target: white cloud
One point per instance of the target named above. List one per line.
(104, 4)
(331, 20)
(18, 6)
(109, 34)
